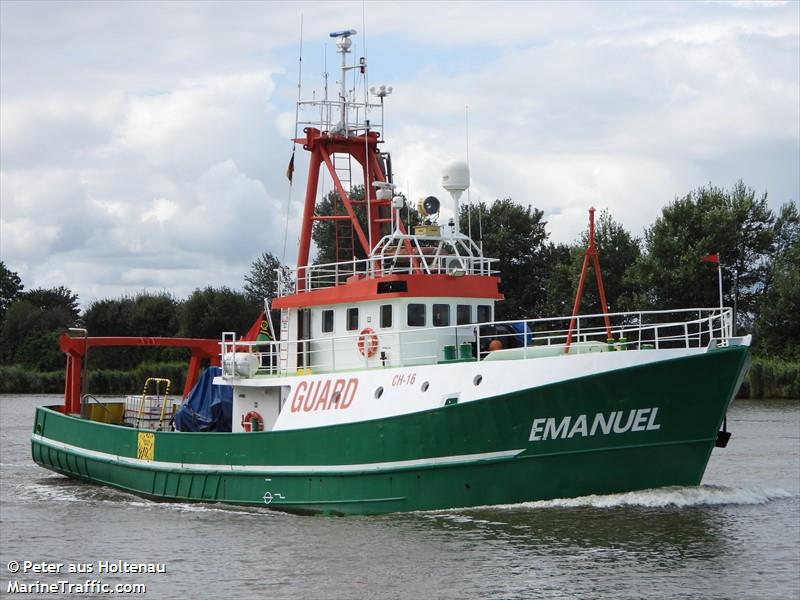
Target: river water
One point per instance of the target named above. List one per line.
(736, 536)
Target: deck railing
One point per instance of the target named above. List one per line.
(518, 339)
(396, 254)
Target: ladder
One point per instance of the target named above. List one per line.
(344, 237)
(284, 355)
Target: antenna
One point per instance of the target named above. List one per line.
(380, 192)
(296, 119)
(469, 203)
(343, 44)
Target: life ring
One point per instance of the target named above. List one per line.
(367, 342)
(250, 419)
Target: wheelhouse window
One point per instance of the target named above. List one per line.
(327, 321)
(484, 313)
(386, 315)
(441, 315)
(352, 319)
(463, 314)
(416, 315)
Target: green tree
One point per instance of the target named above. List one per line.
(327, 234)
(50, 298)
(777, 325)
(617, 251)
(265, 275)
(32, 325)
(735, 223)
(10, 288)
(563, 268)
(515, 235)
(207, 313)
(141, 315)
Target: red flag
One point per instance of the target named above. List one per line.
(712, 258)
(290, 168)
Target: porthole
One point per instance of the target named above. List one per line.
(425, 386)
(379, 392)
(477, 379)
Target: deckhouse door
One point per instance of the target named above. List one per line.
(303, 335)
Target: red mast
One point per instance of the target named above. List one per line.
(344, 140)
(364, 149)
(591, 253)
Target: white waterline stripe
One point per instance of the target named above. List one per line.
(162, 465)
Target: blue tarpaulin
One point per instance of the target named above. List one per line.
(208, 407)
(522, 329)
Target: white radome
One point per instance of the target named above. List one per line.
(455, 177)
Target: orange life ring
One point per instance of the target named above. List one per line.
(247, 421)
(367, 342)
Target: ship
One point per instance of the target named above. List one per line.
(388, 384)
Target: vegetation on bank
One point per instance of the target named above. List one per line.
(759, 251)
(17, 379)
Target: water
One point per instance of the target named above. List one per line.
(736, 536)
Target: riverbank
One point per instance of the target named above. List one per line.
(772, 378)
(17, 379)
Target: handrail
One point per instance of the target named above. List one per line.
(397, 253)
(156, 380)
(333, 274)
(425, 345)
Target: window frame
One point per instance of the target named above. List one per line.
(440, 305)
(328, 312)
(424, 313)
(391, 315)
(488, 308)
(350, 311)
(459, 308)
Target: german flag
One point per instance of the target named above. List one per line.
(290, 169)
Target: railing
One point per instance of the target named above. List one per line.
(395, 254)
(361, 116)
(518, 339)
(643, 330)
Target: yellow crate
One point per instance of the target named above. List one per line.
(107, 412)
(432, 230)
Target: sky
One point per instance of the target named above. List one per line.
(144, 145)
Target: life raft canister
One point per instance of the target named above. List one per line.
(367, 342)
(252, 421)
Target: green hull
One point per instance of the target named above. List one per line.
(470, 454)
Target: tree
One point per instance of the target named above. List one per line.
(327, 234)
(141, 315)
(563, 270)
(777, 326)
(736, 224)
(10, 288)
(265, 275)
(617, 251)
(515, 235)
(32, 325)
(207, 313)
(50, 298)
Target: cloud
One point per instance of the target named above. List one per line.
(144, 145)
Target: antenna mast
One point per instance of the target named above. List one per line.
(290, 170)
(354, 137)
